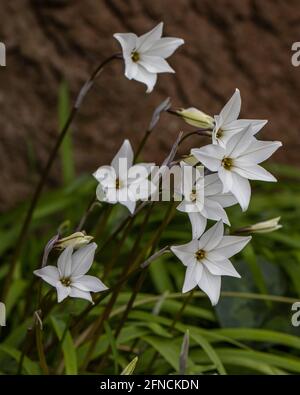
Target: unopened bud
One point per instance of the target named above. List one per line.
(197, 118)
(76, 240)
(263, 227)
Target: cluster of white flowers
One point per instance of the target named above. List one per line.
(231, 160)
(233, 157)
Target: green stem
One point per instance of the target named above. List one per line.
(40, 348)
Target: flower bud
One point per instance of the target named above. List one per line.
(263, 227)
(76, 240)
(197, 118)
(191, 160)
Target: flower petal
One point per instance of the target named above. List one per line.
(145, 41)
(155, 64)
(78, 293)
(88, 283)
(192, 276)
(239, 143)
(83, 259)
(210, 155)
(211, 285)
(258, 151)
(64, 262)
(106, 176)
(50, 274)
(226, 178)
(231, 245)
(212, 237)
(198, 222)
(220, 268)
(165, 47)
(212, 185)
(225, 199)
(123, 158)
(241, 190)
(62, 292)
(127, 41)
(146, 78)
(186, 252)
(215, 211)
(252, 172)
(232, 108)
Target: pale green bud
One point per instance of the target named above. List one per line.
(263, 227)
(197, 118)
(76, 240)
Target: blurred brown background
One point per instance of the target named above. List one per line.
(229, 44)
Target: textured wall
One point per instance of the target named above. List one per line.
(229, 44)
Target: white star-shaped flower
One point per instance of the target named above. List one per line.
(203, 202)
(227, 123)
(145, 56)
(122, 182)
(206, 260)
(69, 276)
(238, 163)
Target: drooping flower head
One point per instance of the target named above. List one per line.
(145, 56)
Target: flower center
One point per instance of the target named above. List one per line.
(227, 163)
(135, 56)
(219, 133)
(200, 254)
(66, 281)
(118, 183)
(193, 195)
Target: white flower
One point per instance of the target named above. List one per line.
(238, 163)
(145, 56)
(121, 182)
(227, 123)
(206, 260)
(69, 276)
(206, 201)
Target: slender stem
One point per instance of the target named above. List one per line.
(40, 348)
(199, 132)
(142, 144)
(108, 268)
(25, 227)
(88, 210)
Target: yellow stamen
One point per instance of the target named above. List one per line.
(135, 56)
(227, 163)
(200, 254)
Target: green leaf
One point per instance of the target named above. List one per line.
(30, 367)
(130, 367)
(212, 354)
(113, 346)
(68, 347)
